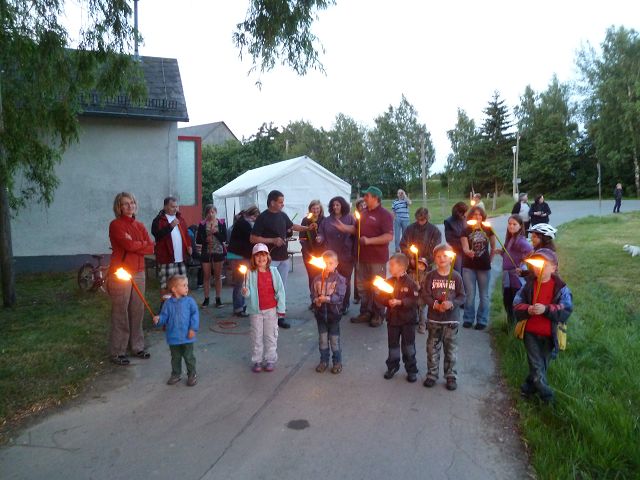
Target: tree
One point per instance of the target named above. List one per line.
(464, 139)
(611, 82)
(301, 138)
(348, 149)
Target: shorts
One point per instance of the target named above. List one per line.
(212, 258)
(168, 270)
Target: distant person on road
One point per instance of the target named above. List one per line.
(539, 211)
(522, 208)
(423, 235)
(617, 195)
(477, 201)
(454, 230)
(400, 209)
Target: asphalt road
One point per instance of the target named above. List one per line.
(290, 424)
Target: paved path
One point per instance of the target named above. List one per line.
(289, 424)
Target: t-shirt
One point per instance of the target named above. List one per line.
(273, 225)
(374, 223)
(401, 209)
(524, 211)
(539, 324)
(479, 243)
(266, 292)
(176, 239)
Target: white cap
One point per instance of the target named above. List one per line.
(259, 247)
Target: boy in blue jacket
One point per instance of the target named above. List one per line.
(180, 315)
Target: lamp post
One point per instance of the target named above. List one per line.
(514, 149)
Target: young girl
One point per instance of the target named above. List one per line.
(542, 236)
(518, 248)
(264, 291)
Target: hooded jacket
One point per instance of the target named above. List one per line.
(180, 315)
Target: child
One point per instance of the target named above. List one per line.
(542, 236)
(401, 318)
(266, 300)
(517, 248)
(180, 315)
(329, 289)
(543, 307)
(422, 309)
(444, 298)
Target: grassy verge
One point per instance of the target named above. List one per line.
(51, 344)
(593, 431)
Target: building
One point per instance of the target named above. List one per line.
(216, 133)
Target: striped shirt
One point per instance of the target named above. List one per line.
(401, 209)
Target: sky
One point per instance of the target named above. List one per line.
(441, 55)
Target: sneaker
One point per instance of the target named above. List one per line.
(322, 366)
(282, 323)
(219, 303)
(173, 379)
(479, 326)
(192, 380)
(391, 372)
(257, 368)
(337, 368)
(205, 303)
(467, 324)
(242, 314)
(422, 328)
(362, 318)
(429, 382)
(269, 367)
(412, 377)
(121, 360)
(451, 384)
(376, 321)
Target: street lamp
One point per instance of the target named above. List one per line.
(514, 149)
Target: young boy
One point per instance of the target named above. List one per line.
(329, 289)
(543, 305)
(422, 308)
(401, 318)
(180, 315)
(444, 298)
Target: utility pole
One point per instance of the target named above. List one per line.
(599, 189)
(136, 54)
(424, 171)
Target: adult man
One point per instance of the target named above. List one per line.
(424, 235)
(376, 231)
(400, 210)
(172, 242)
(271, 228)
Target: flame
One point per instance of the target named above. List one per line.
(535, 262)
(122, 274)
(450, 253)
(486, 224)
(472, 223)
(242, 269)
(473, 203)
(317, 262)
(413, 249)
(357, 215)
(381, 285)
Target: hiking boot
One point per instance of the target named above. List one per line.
(376, 321)
(205, 303)
(422, 328)
(337, 368)
(173, 379)
(412, 377)
(391, 372)
(282, 323)
(322, 366)
(451, 384)
(429, 382)
(479, 326)
(269, 367)
(192, 380)
(362, 318)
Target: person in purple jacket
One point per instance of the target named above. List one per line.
(516, 244)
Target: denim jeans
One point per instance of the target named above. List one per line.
(283, 267)
(399, 226)
(539, 351)
(364, 283)
(470, 278)
(329, 336)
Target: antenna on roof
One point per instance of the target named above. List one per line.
(136, 55)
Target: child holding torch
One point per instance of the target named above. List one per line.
(544, 303)
(443, 293)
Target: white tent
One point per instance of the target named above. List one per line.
(299, 179)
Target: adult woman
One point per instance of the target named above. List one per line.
(454, 229)
(130, 242)
(540, 211)
(334, 236)
(308, 241)
(617, 196)
(400, 208)
(522, 208)
(210, 240)
(478, 245)
(239, 253)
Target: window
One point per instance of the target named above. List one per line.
(186, 185)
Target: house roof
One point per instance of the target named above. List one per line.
(208, 131)
(165, 97)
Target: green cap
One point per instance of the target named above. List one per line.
(375, 191)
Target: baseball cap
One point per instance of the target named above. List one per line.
(259, 247)
(546, 253)
(375, 191)
(424, 261)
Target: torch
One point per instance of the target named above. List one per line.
(413, 249)
(357, 215)
(488, 225)
(294, 217)
(383, 286)
(312, 219)
(319, 263)
(452, 255)
(122, 274)
(243, 270)
(537, 263)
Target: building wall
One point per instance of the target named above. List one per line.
(112, 155)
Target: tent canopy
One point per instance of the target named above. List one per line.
(299, 179)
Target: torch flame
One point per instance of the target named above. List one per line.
(473, 203)
(486, 224)
(317, 262)
(357, 215)
(450, 253)
(381, 285)
(472, 223)
(122, 274)
(413, 249)
(242, 269)
(535, 262)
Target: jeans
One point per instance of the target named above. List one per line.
(617, 205)
(264, 336)
(178, 352)
(470, 278)
(364, 283)
(329, 336)
(283, 267)
(442, 336)
(402, 338)
(399, 226)
(238, 281)
(539, 351)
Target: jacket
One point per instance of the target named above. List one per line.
(405, 289)
(128, 252)
(239, 241)
(436, 288)
(201, 236)
(253, 306)
(453, 231)
(179, 315)
(161, 231)
(424, 237)
(539, 207)
(557, 312)
(335, 286)
(518, 248)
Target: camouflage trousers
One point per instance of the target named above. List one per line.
(442, 337)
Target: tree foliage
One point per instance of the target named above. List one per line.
(464, 139)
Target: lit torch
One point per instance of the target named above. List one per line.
(489, 226)
(122, 274)
(413, 249)
(452, 255)
(312, 219)
(539, 264)
(357, 215)
(243, 270)
(381, 285)
(318, 262)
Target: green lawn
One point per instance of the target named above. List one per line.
(51, 343)
(593, 431)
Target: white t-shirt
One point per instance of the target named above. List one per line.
(176, 239)
(524, 212)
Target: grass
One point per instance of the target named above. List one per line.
(593, 431)
(51, 344)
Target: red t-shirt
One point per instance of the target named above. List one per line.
(374, 223)
(266, 292)
(539, 324)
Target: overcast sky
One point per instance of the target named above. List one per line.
(440, 55)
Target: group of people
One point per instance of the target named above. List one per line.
(433, 283)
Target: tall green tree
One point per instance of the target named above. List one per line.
(302, 138)
(348, 149)
(611, 82)
(464, 139)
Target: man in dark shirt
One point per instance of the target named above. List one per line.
(271, 228)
